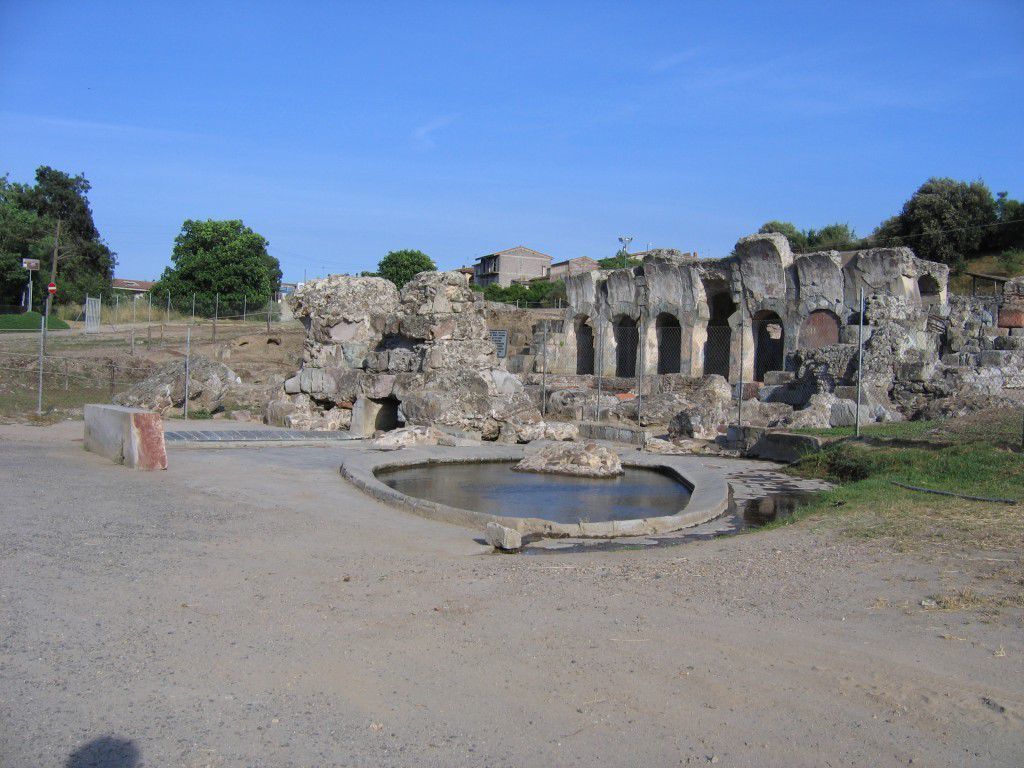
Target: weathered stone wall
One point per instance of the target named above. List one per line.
(812, 298)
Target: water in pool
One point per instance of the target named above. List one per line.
(495, 489)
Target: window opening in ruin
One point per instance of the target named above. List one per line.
(627, 340)
(670, 336)
(769, 342)
(928, 287)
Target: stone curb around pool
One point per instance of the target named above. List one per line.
(710, 494)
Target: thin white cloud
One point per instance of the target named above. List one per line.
(673, 60)
(423, 135)
(107, 130)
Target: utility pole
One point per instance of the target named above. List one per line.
(860, 360)
(49, 296)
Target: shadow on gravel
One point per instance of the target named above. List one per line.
(105, 752)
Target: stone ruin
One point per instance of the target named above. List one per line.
(376, 358)
(786, 326)
(668, 342)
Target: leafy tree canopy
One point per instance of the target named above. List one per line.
(944, 220)
(402, 266)
(219, 257)
(620, 260)
(833, 237)
(28, 225)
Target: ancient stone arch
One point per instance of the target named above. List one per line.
(669, 336)
(718, 345)
(627, 341)
(769, 344)
(584, 346)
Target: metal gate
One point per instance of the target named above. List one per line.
(93, 307)
(819, 329)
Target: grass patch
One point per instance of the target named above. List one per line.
(30, 321)
(866, 504)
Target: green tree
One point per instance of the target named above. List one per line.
(945, 220)
(834, 237)
(620, 260)
(29, 215)
(402, 266)
(219, 257)
(1009, 232)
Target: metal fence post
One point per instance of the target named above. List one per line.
(193, 307)
(245, 304)
(168, 307)
(42, 331)
(860, 360)
(600, 373)
(640, 383)
(149, 315)
(544, 375)
(270, 304)
(216, 311)
(739, 405)
(188, 362)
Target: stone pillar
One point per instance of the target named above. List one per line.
(736, 362)
(604, 344)
(695, 336)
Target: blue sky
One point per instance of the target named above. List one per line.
(340, 131)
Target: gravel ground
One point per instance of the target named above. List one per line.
(246, 607)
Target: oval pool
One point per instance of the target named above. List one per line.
(493, 488)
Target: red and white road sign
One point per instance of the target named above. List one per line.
(52, 288)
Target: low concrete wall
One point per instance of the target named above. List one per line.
(129, 436)
(710, 495)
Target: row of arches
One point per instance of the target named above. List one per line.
(820, 328)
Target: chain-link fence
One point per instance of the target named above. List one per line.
(58, 371)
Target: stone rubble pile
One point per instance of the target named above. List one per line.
(376, 358)
(575, 458)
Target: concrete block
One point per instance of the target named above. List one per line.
(503, 538)
(129, 436)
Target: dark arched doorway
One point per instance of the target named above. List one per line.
(769, 343)
(627, 340)
(584, 348)
(670, 339)
(819, 329)
(719, 341)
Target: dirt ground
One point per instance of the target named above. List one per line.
(247, 607)
(87, 368)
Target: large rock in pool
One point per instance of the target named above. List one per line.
(577, 459)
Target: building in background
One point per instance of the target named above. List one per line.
(512, 264)
(563, 269)
(134, 288)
